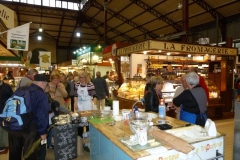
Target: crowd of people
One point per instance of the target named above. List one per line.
(53, 95)
(77, 91)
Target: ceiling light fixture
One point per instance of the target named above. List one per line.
(99, 46)
(168, 53)
(78, 32)
(145, 52)
(189, 55)
(40, 29)
(39, 38)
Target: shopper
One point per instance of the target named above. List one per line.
(59, 89)
(106, 76)
(201, 81)
(5, 93)
(63, 80)
(178, 91)
(21, 141)
(71, 94)
(148, 84)
(28, 79)
(152, 98)
(101, 90)
(9, 75)
(193, 101)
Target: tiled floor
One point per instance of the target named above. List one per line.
(224, 126)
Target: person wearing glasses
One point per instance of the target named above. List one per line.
(152, 97)
(85, 99)
(28, 79)
(85, 94)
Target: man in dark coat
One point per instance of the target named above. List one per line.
(101, 90)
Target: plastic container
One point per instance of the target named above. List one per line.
(162, 110)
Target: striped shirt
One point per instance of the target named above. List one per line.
(90, 88)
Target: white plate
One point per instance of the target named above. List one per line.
(152, 115)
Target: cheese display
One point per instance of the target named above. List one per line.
(132, 90)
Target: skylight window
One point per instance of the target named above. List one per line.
(53, 3)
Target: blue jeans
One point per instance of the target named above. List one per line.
(49, 138)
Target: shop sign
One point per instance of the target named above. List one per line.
(133, 48)
(111, 51)
(7, 16)
(107, 55)
(18, 38)
(189, 48)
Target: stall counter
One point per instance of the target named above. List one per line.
(105, 143)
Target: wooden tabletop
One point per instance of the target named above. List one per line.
(121, 129)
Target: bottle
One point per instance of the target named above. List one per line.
(161, 110)
(135, 109)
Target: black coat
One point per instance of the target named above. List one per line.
(5, 93)
(151, 101)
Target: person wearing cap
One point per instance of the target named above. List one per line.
(21, 141)
(28, 79)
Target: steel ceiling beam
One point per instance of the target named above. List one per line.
(110, 29)
(86, 7)
(60, 29)
(157, 14)
(209, 9)
(125, 20)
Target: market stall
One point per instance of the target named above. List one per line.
(109, 55)
(214, 63)
(107, 143)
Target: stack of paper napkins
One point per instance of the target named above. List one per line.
(210, 128)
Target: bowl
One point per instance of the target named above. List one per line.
(138, 116)
(135, 125)
(102, 114)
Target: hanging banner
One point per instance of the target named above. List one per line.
(44, 60)
(7, 16)
(17, 38)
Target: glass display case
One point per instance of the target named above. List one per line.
(132, 89)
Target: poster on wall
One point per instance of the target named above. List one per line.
(17, 38)
(44, 60)
(139, 68)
